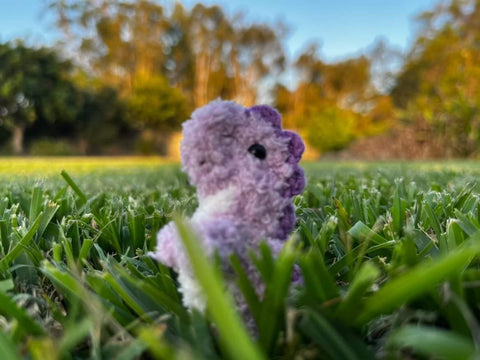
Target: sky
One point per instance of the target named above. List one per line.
(342, 27)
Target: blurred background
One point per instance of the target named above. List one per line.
(370, 79)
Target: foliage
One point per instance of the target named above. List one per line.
(102, 119)
(333, 103)
(40, 98)
(153, 104)
(152, 63)
(45, 147)
(328, 127)
(163, 61)
(388, 253)
(202, 51)
(439, 83)
(34, 87)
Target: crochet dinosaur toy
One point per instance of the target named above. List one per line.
(245, 169)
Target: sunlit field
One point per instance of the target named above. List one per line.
(42, 166)
(388, 254)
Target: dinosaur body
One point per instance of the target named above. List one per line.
(245, 168)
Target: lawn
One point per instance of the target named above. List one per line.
(388, 254)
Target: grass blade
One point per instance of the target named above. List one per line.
(7, 348)
(22, 244)
(10, 309)
(233, 334)
(319, 330)
(74, 186)
(417, 281)
(360, 231)
(434, 342)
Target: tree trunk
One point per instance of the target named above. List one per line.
(82, 146)
(202, 74)
(17, 139)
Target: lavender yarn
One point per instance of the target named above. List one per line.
(244, 197)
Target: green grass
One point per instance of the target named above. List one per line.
(388, 252)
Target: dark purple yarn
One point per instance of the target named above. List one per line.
(268, 114)
(296, 147)
(287, 222)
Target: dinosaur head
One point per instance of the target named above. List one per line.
(226, 146)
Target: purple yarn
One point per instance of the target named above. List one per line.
(269, 114)
(287, 221)
(296, 181)
(296, 147)
(243, 198)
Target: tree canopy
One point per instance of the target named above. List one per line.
(39, 97)
(133, 69)
(439, 83)
(34, 87)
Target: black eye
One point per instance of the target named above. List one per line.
(258, 151)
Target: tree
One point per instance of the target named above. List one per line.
(34, 86)
(118, 40)
(328, 127)
(257, 53)
(439, 84)
(101, 121)
(385, 64)
(210, 32)
(202, 51)
(334, 103)
(156, 105)
(156, 109)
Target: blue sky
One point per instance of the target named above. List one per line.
(343, 27)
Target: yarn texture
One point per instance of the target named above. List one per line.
(245, 168)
